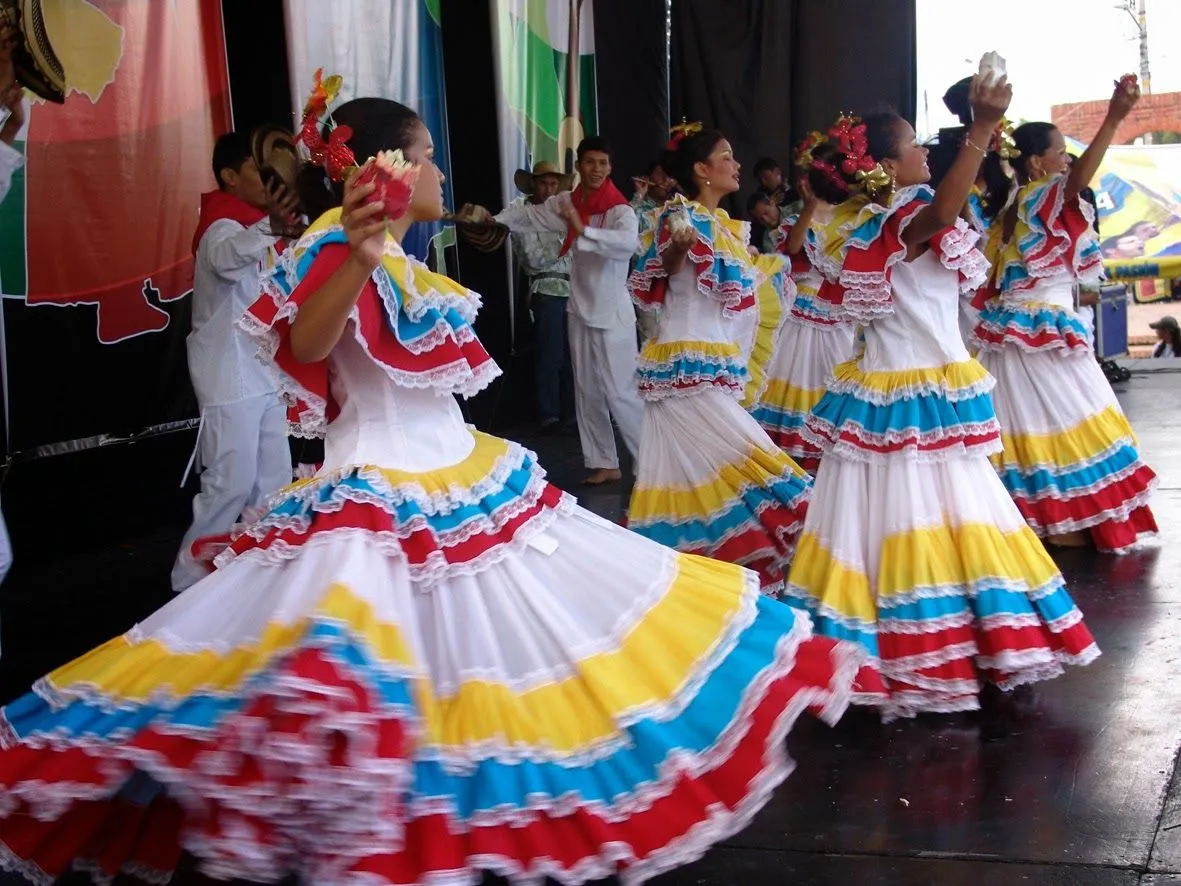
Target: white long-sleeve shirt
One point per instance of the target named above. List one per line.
(601, 258)
(10, 161)
(223, 358)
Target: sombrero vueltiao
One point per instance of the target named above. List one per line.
(36, 64)
(273, 148)
(523, 178)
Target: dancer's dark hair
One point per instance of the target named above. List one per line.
(230, 152)
(829, 187)
(882, 137)
(378, 124)
(1032, 140)
(691, 150)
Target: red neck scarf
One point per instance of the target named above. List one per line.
(217, 205)
(591, 203)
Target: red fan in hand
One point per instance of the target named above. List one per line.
(394, 178)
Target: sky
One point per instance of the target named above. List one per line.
(1057, 51)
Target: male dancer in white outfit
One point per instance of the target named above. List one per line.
(602, 235)
(242, 441)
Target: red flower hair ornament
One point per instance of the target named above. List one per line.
(682, 131)
(391, 174)
(849, 136)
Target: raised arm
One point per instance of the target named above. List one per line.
(531, 217)
(795, 240)
(1127, 93)
(231, 248)
(989, 103)
(681, 240)
(321, 320)
(617, 238)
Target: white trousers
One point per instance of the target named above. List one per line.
(604, 389)
(243, 450)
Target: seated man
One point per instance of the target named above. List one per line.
(764, 221)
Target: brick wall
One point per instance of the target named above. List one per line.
(1160, 112)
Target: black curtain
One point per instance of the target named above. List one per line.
(631, 74)
(765, 72)
(851, 55)
(256, 55)
(475, 171)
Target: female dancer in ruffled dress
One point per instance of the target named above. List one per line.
(709, 480)
(813, 340)
(912, 547)
(1070, 458)
(425, 661)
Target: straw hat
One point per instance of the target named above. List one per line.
(36, 64)
(524, 180)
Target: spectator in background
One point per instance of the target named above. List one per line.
(1168, 337)
(771, 183)
(652, 191)
(765, 218)
(540, 255)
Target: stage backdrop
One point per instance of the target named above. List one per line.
(1138, 192)
(545, 69)
(765, 72)
(384, 48)
(546, 97)
(96, 233)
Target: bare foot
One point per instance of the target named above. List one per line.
(603, 475)
(1069, 540)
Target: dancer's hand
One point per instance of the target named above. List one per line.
(363, 223)
(573, 219)
(682, 239)
(283, 209)
(989, 100)
(1127, 93)
(13, 98)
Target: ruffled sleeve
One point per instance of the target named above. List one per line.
(774, 292)
(412, 323)
(719, 258)
(801, 263)
(1053, 237)
(874, 244)
(974, 210)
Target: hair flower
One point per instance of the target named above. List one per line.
(334, 154)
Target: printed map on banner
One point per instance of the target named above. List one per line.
(1138, 192)
(102, 213)
(545, 65)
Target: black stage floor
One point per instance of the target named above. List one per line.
(1077, 784)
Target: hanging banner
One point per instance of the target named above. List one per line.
(384, 49)
(545, 69)
(96, 232)
(1138, 192)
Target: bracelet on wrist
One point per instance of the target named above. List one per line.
(968, 143)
